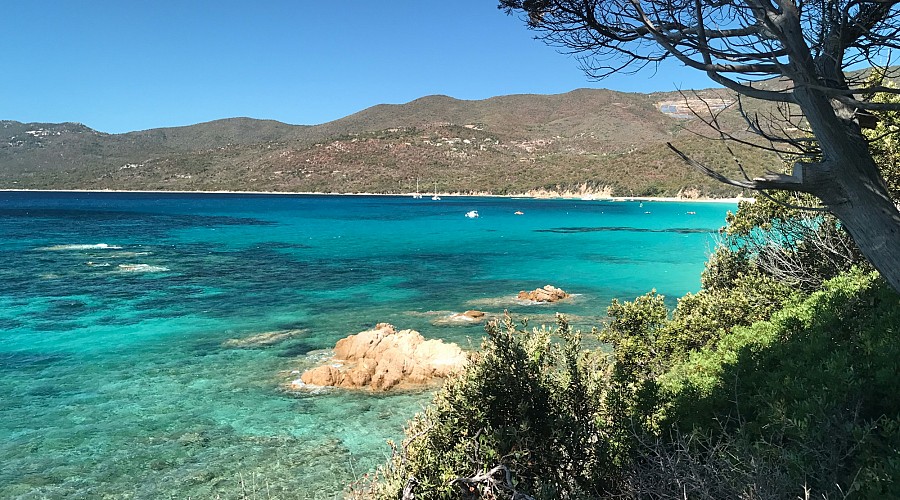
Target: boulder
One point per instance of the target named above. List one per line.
(548, 293)
(383, 358)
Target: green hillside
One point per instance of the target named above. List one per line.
(586, 140)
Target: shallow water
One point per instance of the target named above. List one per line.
(115, 310)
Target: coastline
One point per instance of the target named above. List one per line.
(542, 195)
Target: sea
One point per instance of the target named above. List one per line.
(148, 341)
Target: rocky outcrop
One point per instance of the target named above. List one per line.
(547, 294)
(383, 358)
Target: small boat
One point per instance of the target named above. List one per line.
(435, 197)
(472, 214)
(519, 212)
(417, 195)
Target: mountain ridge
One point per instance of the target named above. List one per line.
(589, 139)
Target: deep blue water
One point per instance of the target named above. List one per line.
(115, 309)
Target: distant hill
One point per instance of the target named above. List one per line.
(586, 140)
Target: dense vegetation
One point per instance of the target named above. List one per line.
(778, 379)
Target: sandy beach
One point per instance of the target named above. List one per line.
(528, 195)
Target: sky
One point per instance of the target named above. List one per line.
(119, 66)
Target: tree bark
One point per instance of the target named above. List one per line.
(874, 223)
(849, 184)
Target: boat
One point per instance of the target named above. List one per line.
(472, 214)
(417, 195)
(435, 197)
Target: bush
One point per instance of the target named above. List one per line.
(528, 402)
(813, 390)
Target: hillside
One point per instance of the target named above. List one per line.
(584, 140)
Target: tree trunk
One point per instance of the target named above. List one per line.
(872, 220)
(849, 184)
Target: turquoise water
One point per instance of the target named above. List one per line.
(115, 310)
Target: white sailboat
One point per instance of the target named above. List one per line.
(417, 194)
(435, 197)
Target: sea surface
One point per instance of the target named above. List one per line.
(122, 316)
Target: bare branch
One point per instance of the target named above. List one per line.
(771, 181)
(490, 483)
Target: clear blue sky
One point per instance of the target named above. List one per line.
(118, 66)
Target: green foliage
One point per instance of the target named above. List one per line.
(798, 392)
(799, 247)
(884, 143)
(528, 401)
(813, 389)
(735, 293)
(637, 332)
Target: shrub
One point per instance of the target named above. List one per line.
(528, 402)
(813, 390)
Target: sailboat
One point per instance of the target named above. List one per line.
(417, 194)
(435, 197)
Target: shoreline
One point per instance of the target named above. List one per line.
(541, 196)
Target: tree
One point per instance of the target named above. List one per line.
(796, 53)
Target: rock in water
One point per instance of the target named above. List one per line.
(262, 339)
(547, 294)
(463, 318)
(383, 358)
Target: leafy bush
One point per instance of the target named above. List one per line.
(528, 402)
(797, 247)
(813, 390)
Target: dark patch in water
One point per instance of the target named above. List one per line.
(679, 230)
(67, 304)
(281, 245)
(610, 259)
(12, 361)
(123, 217)
(10, 324)
(205, 348)
(45, 391)
(117, 320)
(297, 349)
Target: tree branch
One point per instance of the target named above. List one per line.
(770, 181)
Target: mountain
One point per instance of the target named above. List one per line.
(587, 140)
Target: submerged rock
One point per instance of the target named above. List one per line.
(547, 294)
(383, 358)
(262, 339)
(463, 318)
